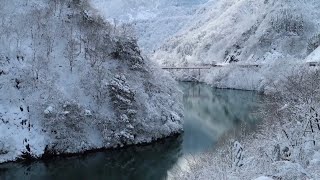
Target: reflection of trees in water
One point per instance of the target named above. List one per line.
(221, 104)
(218, 111)
(191, 90)
(211, 114)
(136, 162)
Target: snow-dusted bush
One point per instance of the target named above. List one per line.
(313, 43)
(237, 155)
(66, 126)
(128, 50)
(3, 149)
(288, 21)
(297, 104)
(123, 101)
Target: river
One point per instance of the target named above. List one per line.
(210, 116)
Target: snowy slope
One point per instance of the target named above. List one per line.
(153, 22)
(71, 82)
(256, 32)
(314, 56)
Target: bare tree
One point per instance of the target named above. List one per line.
(100, 85)
(127, 29)
(72, 50)
(296, 103)
(49, 43)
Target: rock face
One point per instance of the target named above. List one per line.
(71, 82)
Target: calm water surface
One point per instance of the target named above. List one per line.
(210, 115)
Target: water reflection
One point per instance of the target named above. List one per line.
(139, 162)
(209, 115)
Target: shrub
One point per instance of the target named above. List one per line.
(313, 43)
(287, 21)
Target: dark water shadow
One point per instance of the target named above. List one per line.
(136, 162)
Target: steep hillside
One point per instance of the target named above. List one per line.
(71, 82)
(266, 33)
(152, 21)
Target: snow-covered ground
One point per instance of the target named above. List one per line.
(268, 33)
(71, 82)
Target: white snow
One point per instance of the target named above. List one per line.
(154, 21)
(88, 112)
(314, 56)
(265, 33)
(316, 159)
(263, 178)
(65, 88)
(48, 110)
(55, 77)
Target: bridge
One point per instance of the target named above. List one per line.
(210, 66)
(199, 68)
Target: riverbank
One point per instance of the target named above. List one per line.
(258, 152)
(262, 79)
(210, 115)
(148, 161)
(26, 158)
(286, 147)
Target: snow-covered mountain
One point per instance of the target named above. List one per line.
(271, 34)
(152, 21)
(132, 10)
(71, 82)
